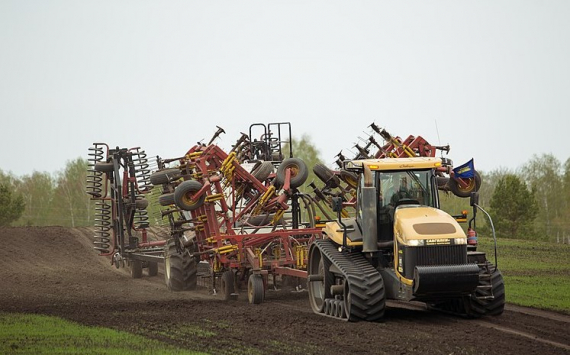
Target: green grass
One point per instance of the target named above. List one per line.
(38, 334)
(537, 274)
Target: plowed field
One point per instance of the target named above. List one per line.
(55, 271)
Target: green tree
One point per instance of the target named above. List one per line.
(544, 174)
(37, 190)
(563, 222)
(11, 206)
(71, 202)
(513, 208)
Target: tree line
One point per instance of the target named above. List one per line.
(531, 202)
(49, 198)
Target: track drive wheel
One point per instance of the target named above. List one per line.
(320, 279)
(255, 289)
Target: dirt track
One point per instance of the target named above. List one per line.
(55, 271)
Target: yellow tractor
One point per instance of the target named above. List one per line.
(399, 246)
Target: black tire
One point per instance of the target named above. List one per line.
(180, 270)
(474, 184)
(326, 175)
(136, 269)
(164, 176)
(255, 289)
(152, 268)
(166, 199)
(141, 203)
(204, 269)
(476, 307)
(183, 195)
(319, 290)
(350, 178)
(263, 171)
(299, 172)
(471, 306)
(104, 167)
(227, 282)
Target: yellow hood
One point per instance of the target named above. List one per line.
(422, 222)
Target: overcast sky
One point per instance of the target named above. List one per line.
(490, 78)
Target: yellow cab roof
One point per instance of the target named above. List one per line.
(395, 163)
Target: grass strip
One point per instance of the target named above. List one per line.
(39, 334)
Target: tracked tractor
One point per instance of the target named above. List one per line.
(399, 246)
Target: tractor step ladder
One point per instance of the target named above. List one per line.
(486, 289)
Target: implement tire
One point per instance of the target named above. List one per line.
(180, 269)
(263, 171)
(326, 175)
(184, 193)
(227, 284)
(255, 289)
(166, 199)
(164, 176)
(474, 184)
(350, 178)
(299, 172)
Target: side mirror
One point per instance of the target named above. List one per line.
(337, 204)
(474, 199)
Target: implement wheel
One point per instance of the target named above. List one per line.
(350, 178)
(263, 171)
(105, 167)
(473, 184)
(326, 175)
(227, 284)
(299, 172)
(166, 199)
(136, 269)
(255, 289)
(180, 269)
(164, 176)
(184, 193)
(152, 268)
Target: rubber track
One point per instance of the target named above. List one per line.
(368, 297)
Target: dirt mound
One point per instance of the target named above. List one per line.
(53, 270)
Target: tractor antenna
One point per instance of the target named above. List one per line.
(438, 138)
(437, 131)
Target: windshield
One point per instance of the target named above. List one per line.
(394, 186)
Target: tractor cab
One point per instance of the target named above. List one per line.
(398, 183)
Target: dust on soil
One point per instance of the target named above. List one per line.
(55, 271)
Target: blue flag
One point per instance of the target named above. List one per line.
(466, 170)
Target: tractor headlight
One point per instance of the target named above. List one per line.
(459, 241)
(417, 242)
